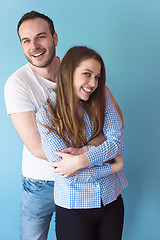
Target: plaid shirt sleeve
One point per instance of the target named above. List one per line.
(91, 174)
(114, 144)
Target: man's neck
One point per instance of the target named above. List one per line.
(51, 72)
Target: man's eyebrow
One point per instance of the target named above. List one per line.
(42, 33)
(23, 39)
(39, 34)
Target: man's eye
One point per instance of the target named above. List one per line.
(40, 37)
(25, 41)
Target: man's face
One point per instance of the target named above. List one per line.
(37, 42)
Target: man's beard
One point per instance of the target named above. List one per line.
(48, 60)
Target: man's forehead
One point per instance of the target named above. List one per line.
(33, 27)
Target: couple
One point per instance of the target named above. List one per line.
(85, 202)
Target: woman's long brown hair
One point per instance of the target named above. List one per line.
(64, 118)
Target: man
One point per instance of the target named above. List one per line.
(25, 92)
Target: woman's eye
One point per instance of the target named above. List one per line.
(97, 77)
(87, 74)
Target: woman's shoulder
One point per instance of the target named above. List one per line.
(108, 96)
(53, 94)
(52, 98)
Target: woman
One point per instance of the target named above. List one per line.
(89, 205)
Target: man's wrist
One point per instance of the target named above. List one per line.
(84, 149)
(90, 147)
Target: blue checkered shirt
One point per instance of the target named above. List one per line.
(96, 183)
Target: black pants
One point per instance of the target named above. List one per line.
(105, 223)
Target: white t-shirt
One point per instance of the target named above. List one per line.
(26, 91)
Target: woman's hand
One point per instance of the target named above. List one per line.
(70, 164)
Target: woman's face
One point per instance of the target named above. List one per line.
(85, 79)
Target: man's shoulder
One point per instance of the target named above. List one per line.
(21, 77)
(24, 70)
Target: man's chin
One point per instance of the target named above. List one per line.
(38, 65)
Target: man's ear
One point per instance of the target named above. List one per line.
(55, 38)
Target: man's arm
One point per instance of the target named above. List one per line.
(26, 128)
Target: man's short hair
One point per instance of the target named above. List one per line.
(33, 15)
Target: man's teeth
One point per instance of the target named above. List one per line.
(86, 90)
(38, 54)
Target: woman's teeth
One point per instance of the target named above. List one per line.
(87, 90)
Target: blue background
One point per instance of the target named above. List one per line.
(127, 35)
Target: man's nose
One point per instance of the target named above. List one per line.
(34, 44)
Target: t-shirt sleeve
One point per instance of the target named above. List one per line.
(17, 97)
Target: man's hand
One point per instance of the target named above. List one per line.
(99, 139)
(70, 164)
(75, 151)
(117, 164)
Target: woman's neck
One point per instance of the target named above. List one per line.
(79, 106)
